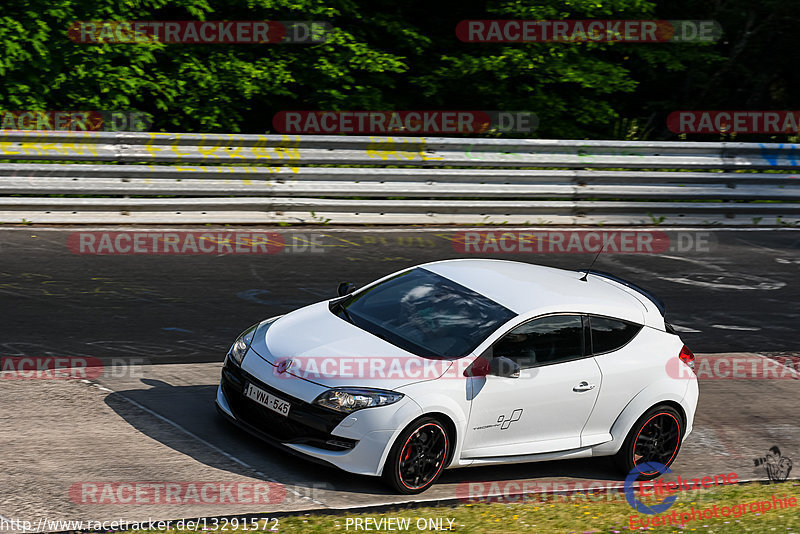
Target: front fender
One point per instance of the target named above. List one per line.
(448, 397)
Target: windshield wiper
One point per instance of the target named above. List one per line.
(344, 312)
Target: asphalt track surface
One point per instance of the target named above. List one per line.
(170, 319)
(741, 295)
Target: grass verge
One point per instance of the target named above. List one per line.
(578, 514)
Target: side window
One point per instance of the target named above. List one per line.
(543, 341)
(611, 334)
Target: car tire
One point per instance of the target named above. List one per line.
(418, 456)
(656, 437)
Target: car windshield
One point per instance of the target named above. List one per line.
(425, 314)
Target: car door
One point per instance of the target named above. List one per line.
(547, 406)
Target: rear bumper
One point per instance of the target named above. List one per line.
(689, 404)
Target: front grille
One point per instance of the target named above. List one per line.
(306, 423)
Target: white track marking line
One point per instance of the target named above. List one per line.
(204, 442)
(679, 328)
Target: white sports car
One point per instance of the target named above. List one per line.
(467, 362)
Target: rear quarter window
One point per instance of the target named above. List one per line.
(611, 334)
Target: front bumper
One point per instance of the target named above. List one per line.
(355, 443)
(224, 409)
(306, 424)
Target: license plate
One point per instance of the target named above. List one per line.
(267, 399)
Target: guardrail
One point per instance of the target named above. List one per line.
(122, 178)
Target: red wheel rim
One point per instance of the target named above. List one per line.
(422, 456)
(657, 441)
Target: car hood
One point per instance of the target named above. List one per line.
(327, 350)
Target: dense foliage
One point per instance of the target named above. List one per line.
(400, 55)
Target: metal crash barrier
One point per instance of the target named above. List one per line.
(65, 177)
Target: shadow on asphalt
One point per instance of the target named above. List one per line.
(192, 408)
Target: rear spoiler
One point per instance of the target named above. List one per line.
(645, 293)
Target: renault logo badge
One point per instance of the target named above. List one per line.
(284, 365)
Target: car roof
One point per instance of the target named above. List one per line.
(529, 289)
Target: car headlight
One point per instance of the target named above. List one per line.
(242, 344)
(349, 400)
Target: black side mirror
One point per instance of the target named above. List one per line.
(505, 367)
(480, 367)
(345, 288)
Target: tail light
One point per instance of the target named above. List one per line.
(686, 356)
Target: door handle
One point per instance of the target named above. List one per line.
(583, 386)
